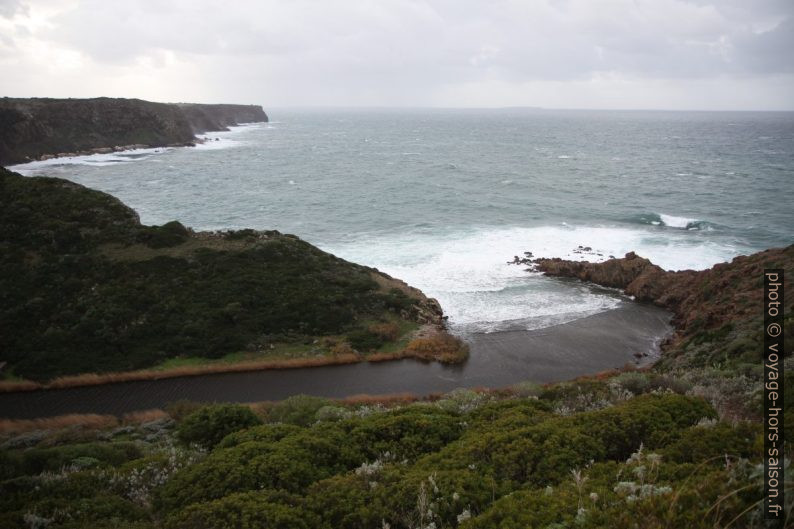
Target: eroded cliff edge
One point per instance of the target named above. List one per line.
(33, 128)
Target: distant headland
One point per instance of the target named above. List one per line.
(41, 128)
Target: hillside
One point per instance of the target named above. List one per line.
(676, 446)
(85, 288)
(34, 128)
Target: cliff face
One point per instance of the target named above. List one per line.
(35, 128)
(206, 118)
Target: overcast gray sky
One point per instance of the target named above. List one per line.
(658, 54)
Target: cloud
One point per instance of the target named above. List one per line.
(10, 8)
(411, 52)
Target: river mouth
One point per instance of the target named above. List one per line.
(606, 340)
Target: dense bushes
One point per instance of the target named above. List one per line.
(78, 272)
(299, 409)
(249, 510)
(465, 460)
(208, 425)
(53, 459)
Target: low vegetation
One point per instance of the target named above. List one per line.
(87, 289)
(627, 451)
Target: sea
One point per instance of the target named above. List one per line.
(444, 199)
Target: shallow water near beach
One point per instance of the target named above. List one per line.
(444, 198)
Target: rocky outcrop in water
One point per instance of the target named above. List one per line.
(36, 128)
(717, 312)
(634, 274)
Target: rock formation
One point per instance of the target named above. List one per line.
(714, 310)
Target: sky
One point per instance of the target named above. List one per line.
(601, 54)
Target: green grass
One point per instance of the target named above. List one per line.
(279, 352)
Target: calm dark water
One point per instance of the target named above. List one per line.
(585, 346)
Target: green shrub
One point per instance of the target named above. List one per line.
(299, 409)
(248, 510)
(364, 340)
(406, 433)
(169, 234)
(637, 383)
(207, 426)
(290, 464)
(38, 460)
(265, 433)
(722, 439)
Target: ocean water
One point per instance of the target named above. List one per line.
(444, 198)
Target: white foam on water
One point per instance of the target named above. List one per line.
(676, 222)
(95, 160)
(469, 275)
(227, 139)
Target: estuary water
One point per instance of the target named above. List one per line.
(444, 198)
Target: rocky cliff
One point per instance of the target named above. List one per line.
(207, 118)
(34, 128)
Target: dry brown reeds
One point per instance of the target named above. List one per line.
(439, 346)
(139, 417)
(95, 379)
(394, 399)
(87, 421)
(387, 331)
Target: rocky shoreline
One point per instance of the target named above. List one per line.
(716, 312)
(109, 150)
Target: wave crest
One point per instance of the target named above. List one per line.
(672, 221)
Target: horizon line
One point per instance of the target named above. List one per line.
(428, 107)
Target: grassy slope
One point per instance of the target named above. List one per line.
(84, 287)
(677, 446)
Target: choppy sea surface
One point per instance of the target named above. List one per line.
(444, 198)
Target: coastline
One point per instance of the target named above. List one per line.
(116, 154)
(45, 128)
